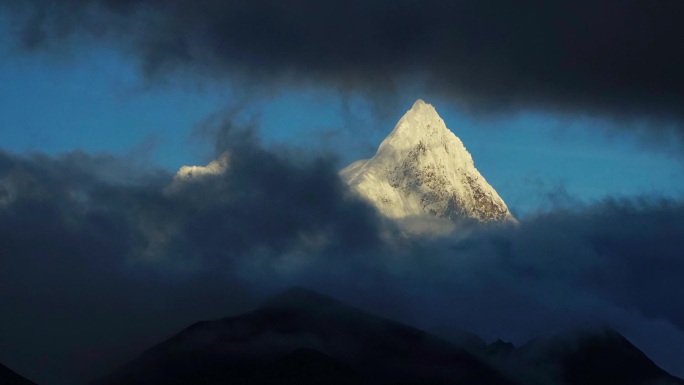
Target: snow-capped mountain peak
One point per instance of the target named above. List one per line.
(215, 167)
(191, 174)
(423, 168)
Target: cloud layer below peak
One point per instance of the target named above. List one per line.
(116, 262)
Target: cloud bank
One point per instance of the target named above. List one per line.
(620, 59)
(100, 260)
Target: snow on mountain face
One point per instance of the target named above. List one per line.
(191, 174)
(215, 167)
(423, 168)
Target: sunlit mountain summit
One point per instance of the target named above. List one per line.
(422, 168)
(420, 171)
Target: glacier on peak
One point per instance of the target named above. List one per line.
(422, 168)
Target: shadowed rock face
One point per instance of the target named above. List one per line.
(301, 337)
(8, 377)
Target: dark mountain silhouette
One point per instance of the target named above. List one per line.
(499, 347)
(599, 356)
(311, 367)
(302, 337)
(8, 377)
(465, 339)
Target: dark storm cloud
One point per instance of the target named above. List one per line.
(613, 58)
(94, 252)
(100, 259)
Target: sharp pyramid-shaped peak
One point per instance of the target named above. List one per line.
(424, 109)
(420, 105)
(421, 115)
(422, 168)
(422, 127)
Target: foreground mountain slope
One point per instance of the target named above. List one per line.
(304, 338)
(422, 168)
(9, 377)
(583, 357)
(328, 341)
